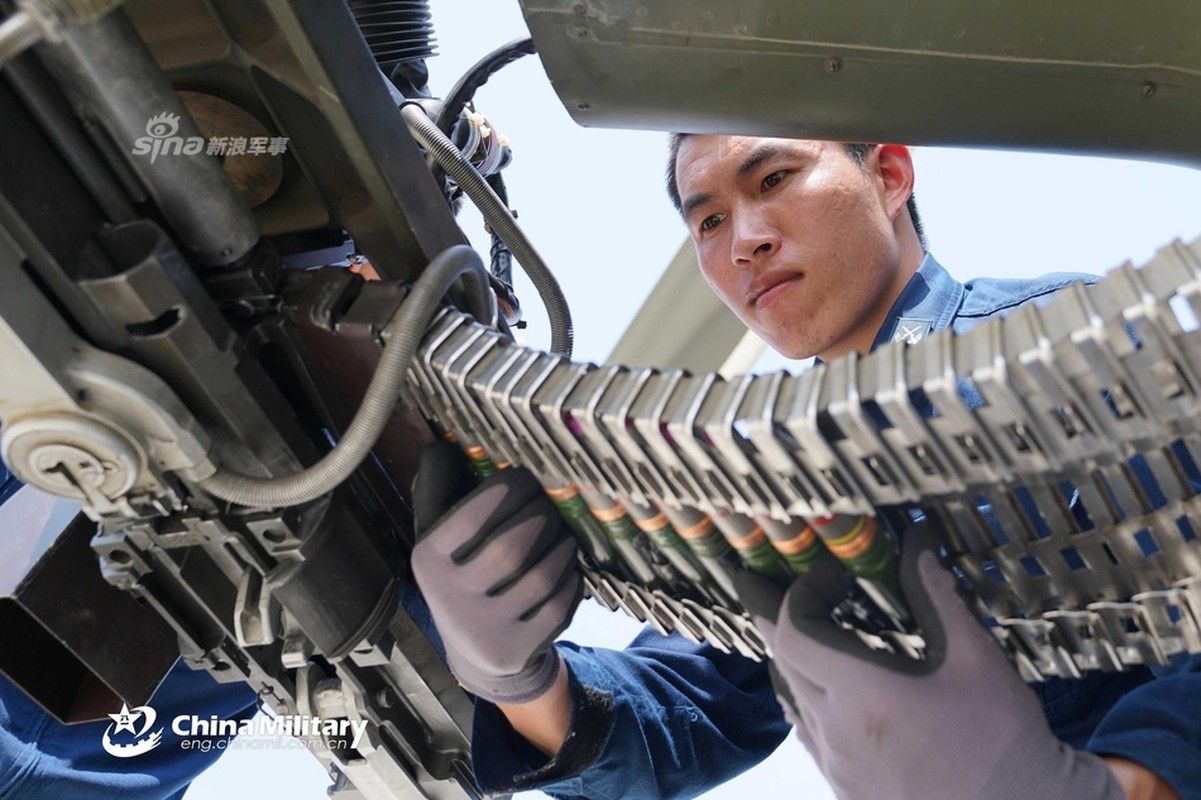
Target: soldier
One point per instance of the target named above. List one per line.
(817, 247)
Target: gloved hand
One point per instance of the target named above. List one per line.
(498, 572)
(960, 725)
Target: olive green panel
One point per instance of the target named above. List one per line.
(699, 339)
(1101, 76)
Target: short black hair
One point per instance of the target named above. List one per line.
(856, 150)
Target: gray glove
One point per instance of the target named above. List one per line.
(960, 725)
(498, 572)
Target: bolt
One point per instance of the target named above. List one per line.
(275, 536)
(384, 698)
(832, 64)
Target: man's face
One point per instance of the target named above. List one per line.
(795, 237)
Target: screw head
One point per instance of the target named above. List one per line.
(832, 64)
(1148, 89)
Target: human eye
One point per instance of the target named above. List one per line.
(710, 222)
(774, 179)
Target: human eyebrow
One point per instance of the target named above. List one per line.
(694, 202)
(763, 153)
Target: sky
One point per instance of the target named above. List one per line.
(592, 202)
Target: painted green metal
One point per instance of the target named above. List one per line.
(588, 530)
(868, 550)
(1099, 76)
(629, 542)
(797, 543)
(749, 541)
(673, 548)
(707, 544)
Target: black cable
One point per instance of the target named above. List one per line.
(462, 92)
(501, 264)
(502, 256)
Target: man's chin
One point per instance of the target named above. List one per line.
(783, 336)
(790, 348)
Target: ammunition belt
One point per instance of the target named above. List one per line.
(1053, 447)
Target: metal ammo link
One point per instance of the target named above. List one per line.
(1052, 447)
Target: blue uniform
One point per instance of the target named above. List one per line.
(42, 759)
(671, 719)
(663, 717)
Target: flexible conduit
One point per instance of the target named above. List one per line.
(497, 215)
(401, 336)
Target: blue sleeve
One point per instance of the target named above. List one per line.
(8, 483)
(42, 759)
(663, 718)
(1158, 725)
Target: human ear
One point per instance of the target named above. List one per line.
(894, 173)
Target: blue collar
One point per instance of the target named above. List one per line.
(928, 303)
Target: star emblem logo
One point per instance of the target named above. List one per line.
(143, 739)
(125, 719)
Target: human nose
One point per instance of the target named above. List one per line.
(753, 241)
